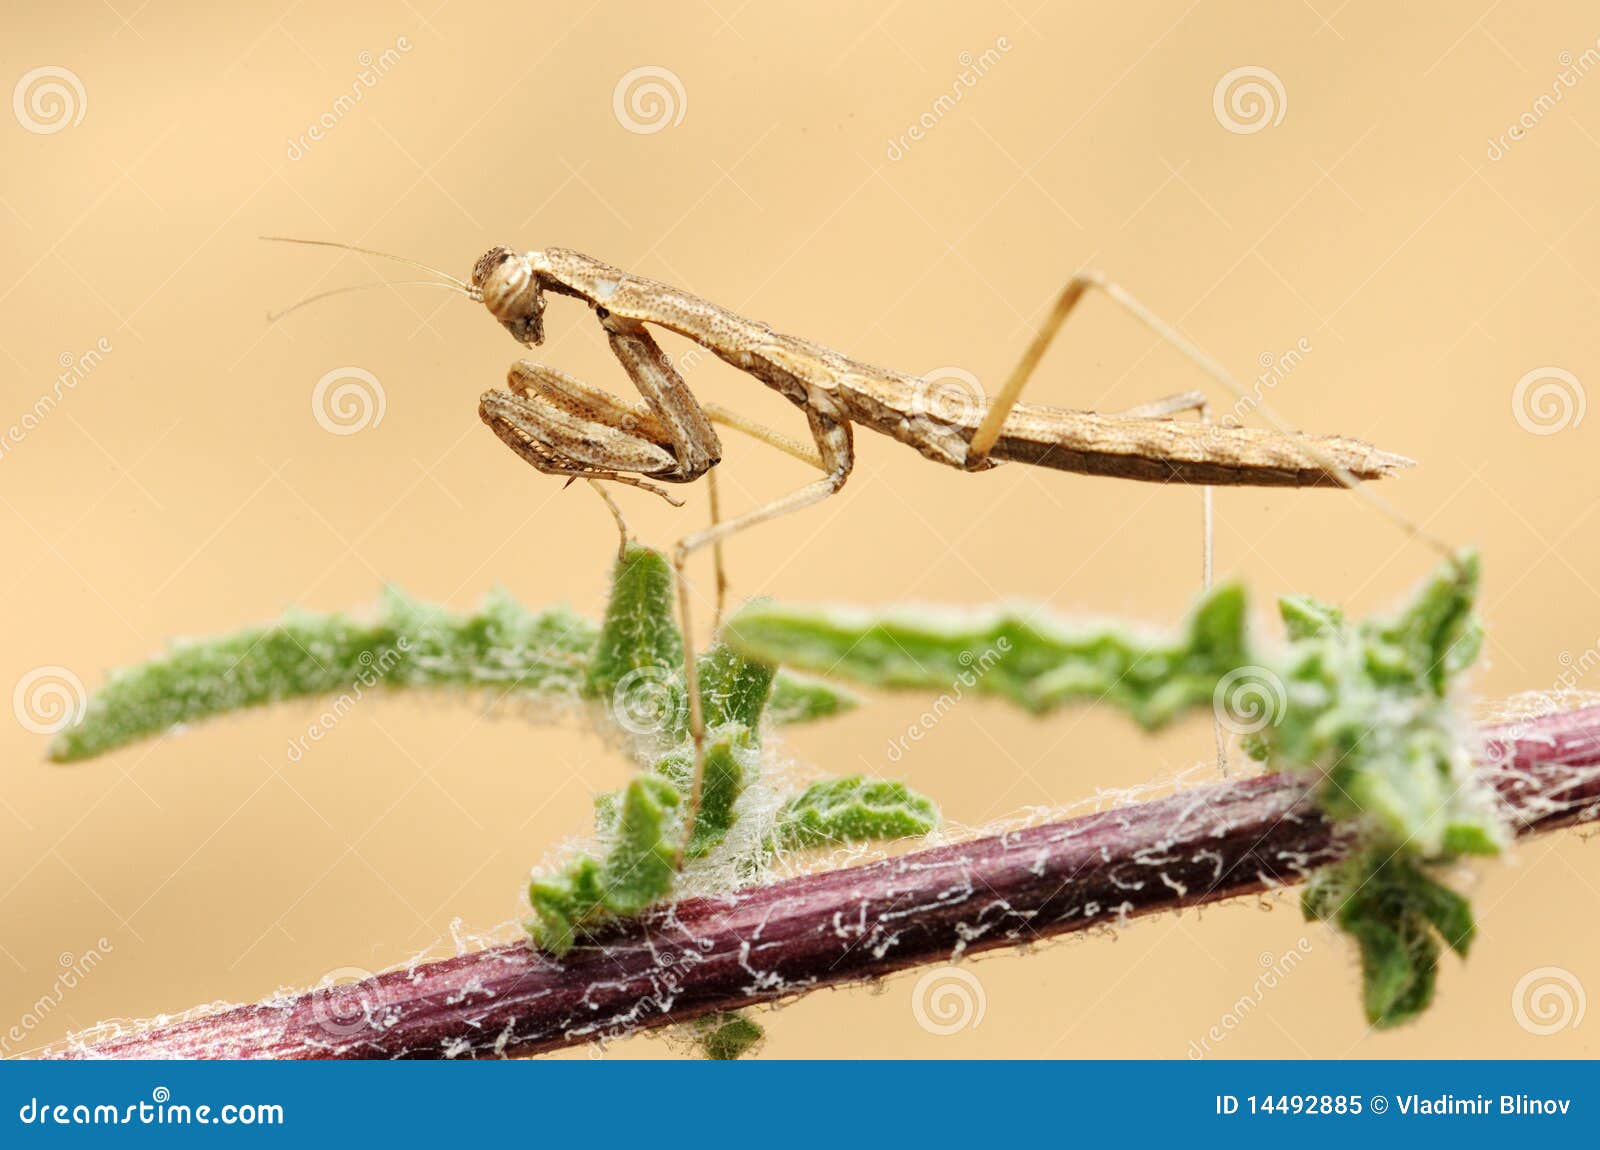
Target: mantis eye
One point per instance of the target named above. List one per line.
(488, 262)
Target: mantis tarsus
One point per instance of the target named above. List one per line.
(563, 426)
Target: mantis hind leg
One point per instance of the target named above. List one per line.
(983, 440)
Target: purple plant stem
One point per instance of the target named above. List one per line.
(701, 956)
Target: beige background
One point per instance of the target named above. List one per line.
(184, 486)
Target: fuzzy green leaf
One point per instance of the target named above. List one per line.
(726, 1036)
(733, 689)
(410, 645)
(1308, 618)
(724, 779)
(639, 869)
(803, 699)
(1398, 913)
(639, 630)
(1038, 665)
(503, 647)
(837, 812)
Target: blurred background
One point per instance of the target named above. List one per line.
(1388, 214)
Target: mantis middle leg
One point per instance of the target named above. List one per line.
(836, 449)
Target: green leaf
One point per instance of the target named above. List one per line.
(1308, 618)
(733, 689)
(410, 645)
(1398, 914)
(803, 699)
(837, 812)
(643, 862)
(639, 630)
(722, 783)
(1039, 665)
(1438, 629)
(726, 1036)
(518, 654)
(639, 869)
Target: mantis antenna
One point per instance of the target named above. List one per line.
(275, 316)
(462, 284)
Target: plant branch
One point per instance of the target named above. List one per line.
(698, 957)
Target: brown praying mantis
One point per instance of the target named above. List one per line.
(563, 426)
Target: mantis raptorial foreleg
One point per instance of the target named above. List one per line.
(533, 429)
(565, 427)
(536, 380)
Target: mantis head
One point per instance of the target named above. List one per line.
(510, 289)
